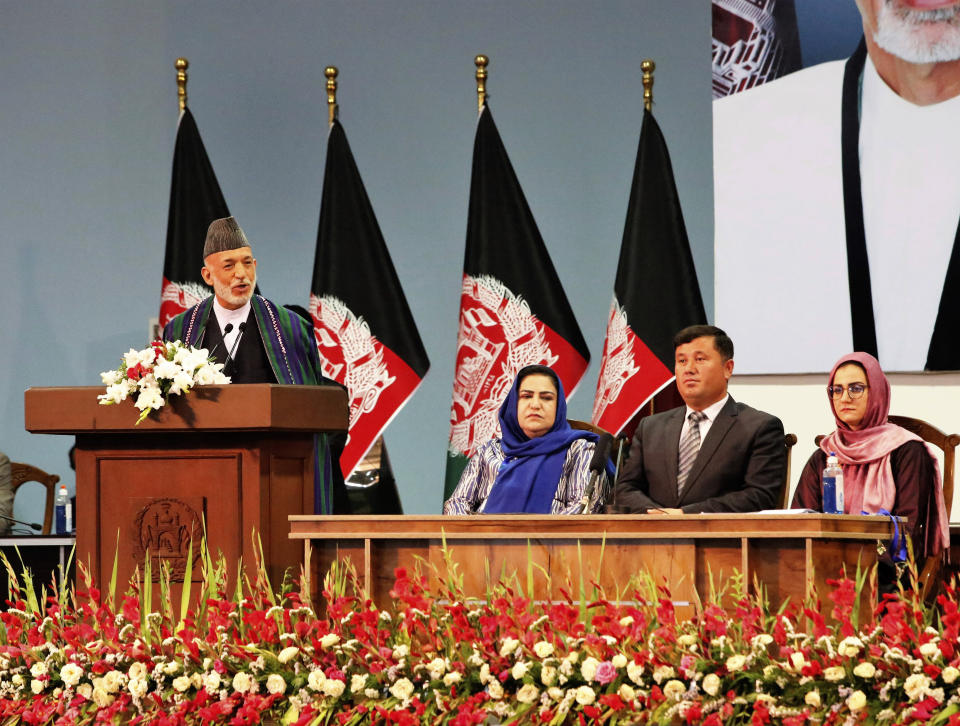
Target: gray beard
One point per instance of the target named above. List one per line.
(903, 32)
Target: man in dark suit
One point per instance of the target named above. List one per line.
(712, 455)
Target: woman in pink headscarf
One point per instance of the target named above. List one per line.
(884, 465)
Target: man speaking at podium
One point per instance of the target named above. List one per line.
(256, 340)
(712, 455)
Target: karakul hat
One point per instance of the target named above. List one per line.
(222, 235)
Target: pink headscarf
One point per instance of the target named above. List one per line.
(865, 455)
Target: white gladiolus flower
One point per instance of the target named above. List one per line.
(71, 674)
(812, 698)
(315, 679)
(131, 358)
(834, 673)
(137, 670)
(674, 689)
(334, 688)
(711, 684)
(276, 684)
(588, 669)
(101, 697)
(916, 686)
(508, 646)
(288, 654)
(137, 687)
(519, 669)
(110, 378)
(635, 672)
(797, 660)
(849, 646)
(329, 640)
(528, 693)
(165, 370)
(585, 695)
(401, 651)
(402, 689)
(736, 662)
(211, 682)
(543, 649)
(660, 673)
(856, 700)
(930, 650)
(626, 621)
(242, 682)
(436, 668)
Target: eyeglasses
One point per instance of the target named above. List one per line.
(855, 390)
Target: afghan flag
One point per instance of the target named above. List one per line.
(655, 294)
(366, 336)
(195, 201)
(513, 311)
(753, 42)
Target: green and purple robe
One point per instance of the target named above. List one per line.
(292, 353)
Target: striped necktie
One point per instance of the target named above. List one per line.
(689, 448)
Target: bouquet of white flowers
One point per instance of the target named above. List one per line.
(154, 374)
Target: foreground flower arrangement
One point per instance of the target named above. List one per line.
(427, 657)
(154, 374)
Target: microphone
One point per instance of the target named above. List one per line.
(226, 329)
(598, 466)
(230, 359)
(32, 525)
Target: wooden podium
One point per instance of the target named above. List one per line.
(786, 553)
(239, 457)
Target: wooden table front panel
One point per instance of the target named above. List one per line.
(783, 553)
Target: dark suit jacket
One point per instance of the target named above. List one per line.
(740, 468)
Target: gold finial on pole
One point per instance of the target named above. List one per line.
(181, 65)
(481, 62)
(648, 67)
(331, 73)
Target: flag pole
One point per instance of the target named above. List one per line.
(181, 65)
(648, 67)
(481, 62)
(333, 108)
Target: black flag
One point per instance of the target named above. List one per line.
(195, 201)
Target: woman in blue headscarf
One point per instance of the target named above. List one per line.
(540, 465)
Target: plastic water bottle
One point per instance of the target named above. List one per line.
(64, 511)
(833, 486)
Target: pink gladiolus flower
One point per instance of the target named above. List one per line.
(606, 672)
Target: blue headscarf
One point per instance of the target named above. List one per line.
(527, 480)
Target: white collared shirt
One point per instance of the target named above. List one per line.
(909, 156)
(225, 316)
(711, 412)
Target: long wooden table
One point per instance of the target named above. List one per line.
(786, 553)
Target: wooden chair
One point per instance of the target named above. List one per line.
(23, 473)
(929, 578)
(783, 502)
